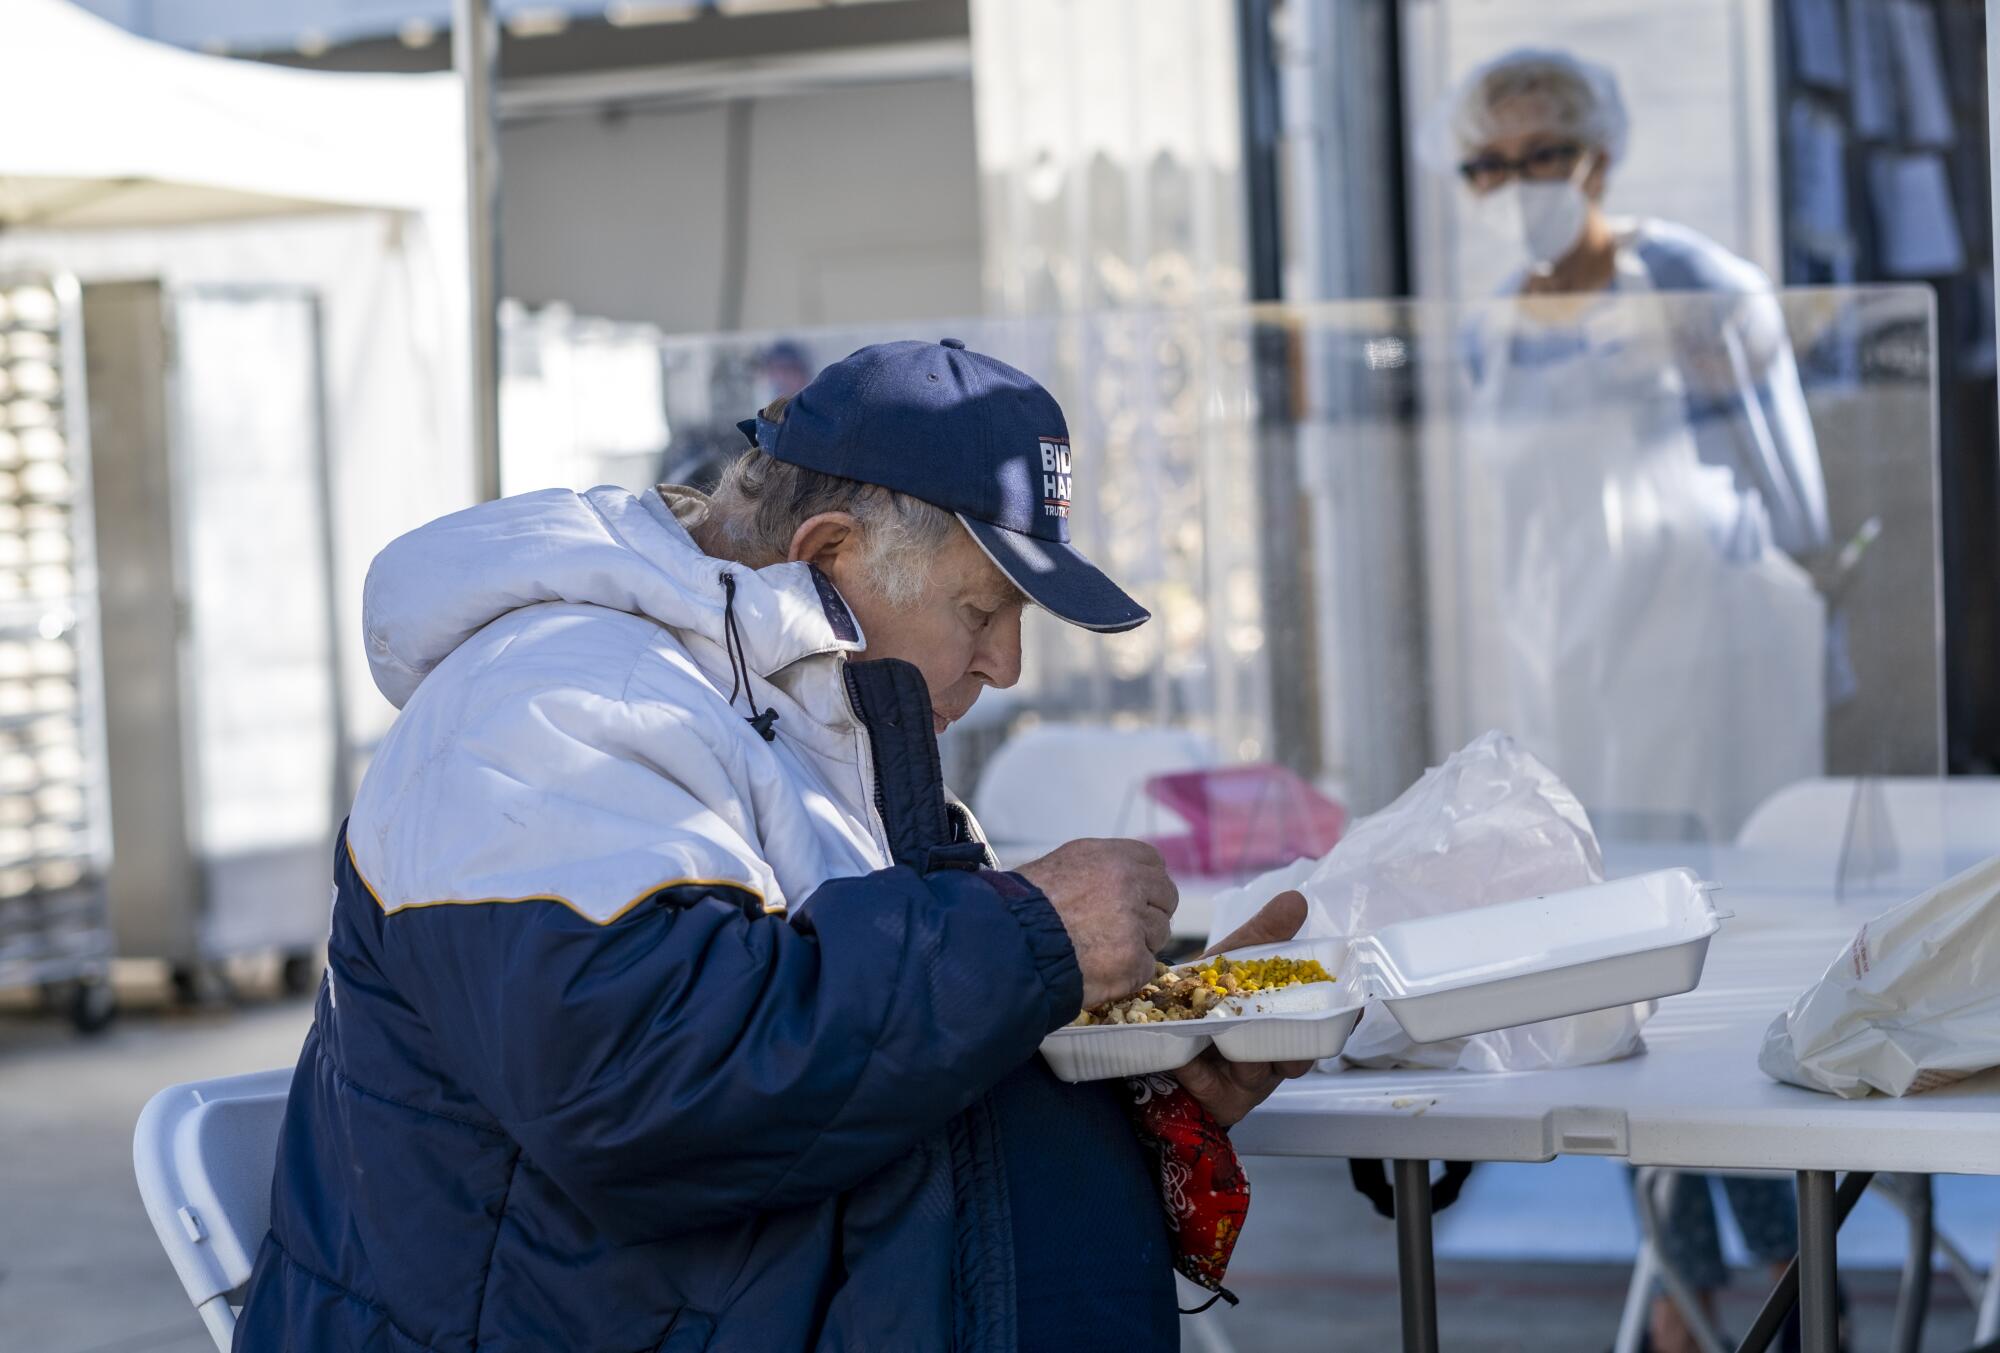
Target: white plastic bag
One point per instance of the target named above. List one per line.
(1492, 824)
(1911, 1004)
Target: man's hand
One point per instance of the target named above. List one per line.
(1227, 1089)
(1116, 902)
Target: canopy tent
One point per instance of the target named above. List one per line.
(128, 158)
(108, 129)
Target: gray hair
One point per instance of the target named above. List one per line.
(762, 501)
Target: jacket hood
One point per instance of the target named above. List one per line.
(433, 588)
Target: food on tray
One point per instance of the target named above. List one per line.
(1202, 988)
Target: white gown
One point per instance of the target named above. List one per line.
(1626, 613)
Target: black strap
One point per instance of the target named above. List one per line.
(1221, 1294)
(1371, 1181)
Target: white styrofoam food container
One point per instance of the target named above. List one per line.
(1303, 1023)
(1610, 944)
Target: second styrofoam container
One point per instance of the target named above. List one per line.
(1302, 1023)
(1610, 944)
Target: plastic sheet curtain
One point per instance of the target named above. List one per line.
(1583, 574)
(1116, 185)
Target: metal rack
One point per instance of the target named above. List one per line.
(55, 929)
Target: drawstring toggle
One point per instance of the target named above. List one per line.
(739, 665)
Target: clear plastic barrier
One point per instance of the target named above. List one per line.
(1683, 546)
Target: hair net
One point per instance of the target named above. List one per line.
(1582, 96)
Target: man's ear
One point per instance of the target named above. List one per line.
(827, 541)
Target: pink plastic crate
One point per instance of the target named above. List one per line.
(1244, 818)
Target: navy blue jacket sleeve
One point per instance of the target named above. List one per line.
(693, 1062)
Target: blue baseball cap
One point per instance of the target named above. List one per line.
(967, 433)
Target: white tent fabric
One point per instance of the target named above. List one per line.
(106, 128)
(125, 158)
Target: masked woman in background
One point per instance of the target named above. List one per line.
(1641, 483)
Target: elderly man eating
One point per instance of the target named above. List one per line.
(671, 1003)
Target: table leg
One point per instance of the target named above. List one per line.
(1914, 1300)
(1416, 1261)
(1819, 1311)
(1764, 1331)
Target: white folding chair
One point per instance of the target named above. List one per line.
(1054, 782)
(1881, 832)
(1986, 1328)
(1653, 1191)
(1908, 1194)
(204, 1154)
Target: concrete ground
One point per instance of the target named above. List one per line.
(80, 1271)
(1316, 1269)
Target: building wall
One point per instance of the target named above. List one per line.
(862, 206)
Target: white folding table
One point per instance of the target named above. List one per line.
(1694, 1099)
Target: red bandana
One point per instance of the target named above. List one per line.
(1202, 1185)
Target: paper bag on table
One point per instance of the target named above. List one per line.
(1912, 1003)
(1492, 824)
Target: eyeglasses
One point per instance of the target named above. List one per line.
(1543, 164)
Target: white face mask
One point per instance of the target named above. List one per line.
(1541, 220)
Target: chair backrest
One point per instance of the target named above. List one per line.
(1054, 782)
(1807, 816)
(1902, 832)
(1962, 811)
(204, 1154)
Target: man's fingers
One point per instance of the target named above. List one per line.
(1156, 889)
(1263, 1077)
(1277, 920)
(1198, 1077)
